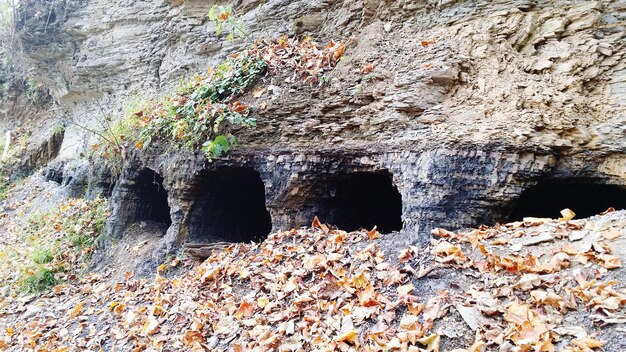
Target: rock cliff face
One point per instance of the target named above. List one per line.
(470, 104)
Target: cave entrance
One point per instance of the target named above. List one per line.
(229, 205)
(585, 198)
(151, 199)
(362, 200)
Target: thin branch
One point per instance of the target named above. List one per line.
(89, 130)
(45, 29)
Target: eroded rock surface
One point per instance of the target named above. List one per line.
(465, 104)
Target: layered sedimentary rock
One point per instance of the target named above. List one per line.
(468, 104)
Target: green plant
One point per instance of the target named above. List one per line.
(8, 10)
(204, 112)
(39, 280)
(5, 186)
(116, 133)
(58, 244)
(224, 16)
(32, 90)
(42, 256)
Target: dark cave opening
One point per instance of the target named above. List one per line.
(362, 200)
(585, 198)
(229, 205)
(152, 202)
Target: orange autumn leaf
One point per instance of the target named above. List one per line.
(340, 50)
(365, 69)
(373, 234)
(516, 313)
(567, 214)
(245, 310)
(587, 343)
(317, 224)
(405, 255)
(77, 310)
(368, 297)
(349, 337)
(359, 281)
(609, 261)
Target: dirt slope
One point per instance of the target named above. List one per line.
(537, 285)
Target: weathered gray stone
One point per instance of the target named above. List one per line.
(469, 104)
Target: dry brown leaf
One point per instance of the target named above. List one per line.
(349, 337)
(611, 233)
(360, 281)
(547, 297)
(77, 310)
(609, 261)
(443, 233)
(367, 68)
(405, 289)
(373, 234)
(431, 342)
(368, 297)
(245, 310)
(258, 92)
(567, 214)
(405, 255)
(587, 343)
(150, 325)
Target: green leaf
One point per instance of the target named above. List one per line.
(223, 142)
(213, 13)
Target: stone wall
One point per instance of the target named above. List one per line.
(469, 103)
(443, 187)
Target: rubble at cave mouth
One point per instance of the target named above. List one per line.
(152, 204)
(229, 205)
(358, 200)
(585, 197)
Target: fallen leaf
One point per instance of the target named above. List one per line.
(567, 214)
(431, 342)
(587, 343)
(360, 281)
(150, 326)
(373, 234)
(245, 310)
(77, 310)
(258, 92)
(609, 261)
(368, 68)
(405, 289)
(611, 233)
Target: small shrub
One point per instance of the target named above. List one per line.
(59, 244)
(204, 112)
(32, 90)
(39, 280)
(118, 134)
(5, 186)
(224, 16)
(42, 256)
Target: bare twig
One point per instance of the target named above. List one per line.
(45, 29)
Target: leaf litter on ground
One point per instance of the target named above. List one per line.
(323, 289)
